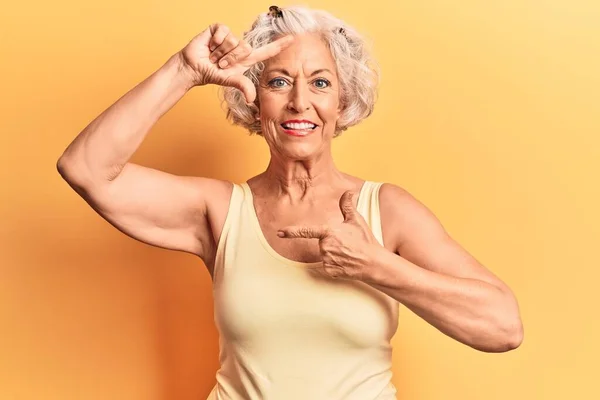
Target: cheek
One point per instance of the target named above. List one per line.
(269, 129)
(270, 102)
(327, 108)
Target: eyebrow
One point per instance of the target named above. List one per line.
(283, 70)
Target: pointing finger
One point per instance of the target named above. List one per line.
(311, 232)
(269, 50)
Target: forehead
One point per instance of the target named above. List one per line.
(308, 52)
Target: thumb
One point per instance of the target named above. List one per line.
(347, 206)
(245, 85)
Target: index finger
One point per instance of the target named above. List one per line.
(308, 232)
(269, 50)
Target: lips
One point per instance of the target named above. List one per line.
(298, 130)
(298, 125)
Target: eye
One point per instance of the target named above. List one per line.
(272, 83)
(325, 81)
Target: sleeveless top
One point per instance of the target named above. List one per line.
(285, 334)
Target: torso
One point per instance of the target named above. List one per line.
(273, 214)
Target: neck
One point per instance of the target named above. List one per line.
(300, 179)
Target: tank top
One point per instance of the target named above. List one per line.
(285, 334)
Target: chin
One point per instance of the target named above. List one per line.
(299, 151)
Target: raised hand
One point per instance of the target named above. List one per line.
(216, 56)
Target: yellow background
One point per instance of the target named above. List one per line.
(488, 113)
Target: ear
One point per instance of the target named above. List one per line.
(340, 109)
(339, 115)
(257, 116)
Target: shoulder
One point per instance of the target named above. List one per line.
(391, 196)
(404, 217)
(207, 192)
(215, 190)
(216, 195)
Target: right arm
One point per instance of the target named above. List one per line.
(152, 206)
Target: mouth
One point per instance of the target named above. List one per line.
(298, 129)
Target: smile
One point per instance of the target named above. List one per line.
(298, 128)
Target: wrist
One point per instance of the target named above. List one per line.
(185, 74)
(378, 257)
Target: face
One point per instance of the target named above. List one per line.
(301, 84)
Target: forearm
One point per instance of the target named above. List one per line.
(473, 312)
(103, 148)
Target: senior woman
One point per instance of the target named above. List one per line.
(309, 264)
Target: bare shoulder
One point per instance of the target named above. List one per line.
(220, 192)
(402, 214)
(217, 190)
(418, 236)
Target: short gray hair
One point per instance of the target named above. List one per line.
(357, 71)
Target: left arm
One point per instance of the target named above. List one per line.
(428, 271)
(439, 280)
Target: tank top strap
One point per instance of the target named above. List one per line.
(368, 207)
(230, 225)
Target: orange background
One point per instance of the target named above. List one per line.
(488, 113)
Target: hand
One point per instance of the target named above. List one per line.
(206, 54)
(348, 250)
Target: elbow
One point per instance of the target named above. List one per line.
(509, 335)
(515, 336)
(62, 168)
(504, 329)
(71, 170)
(513, 326)
(500, 341)
(508, 324)
(72, 174)
(65, 163)
(66, 169)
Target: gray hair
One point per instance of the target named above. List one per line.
(357, 72)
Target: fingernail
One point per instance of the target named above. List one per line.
(213, 59)
(223, 63)
(280, 233)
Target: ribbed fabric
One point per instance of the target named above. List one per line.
(286, 334)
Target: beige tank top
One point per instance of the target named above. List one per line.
(285, 334)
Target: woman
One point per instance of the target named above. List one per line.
(298, 318)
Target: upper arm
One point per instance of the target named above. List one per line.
(154, 207)
(419, 237)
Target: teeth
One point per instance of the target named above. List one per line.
(299, 126)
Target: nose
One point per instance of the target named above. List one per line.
(299, 98)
